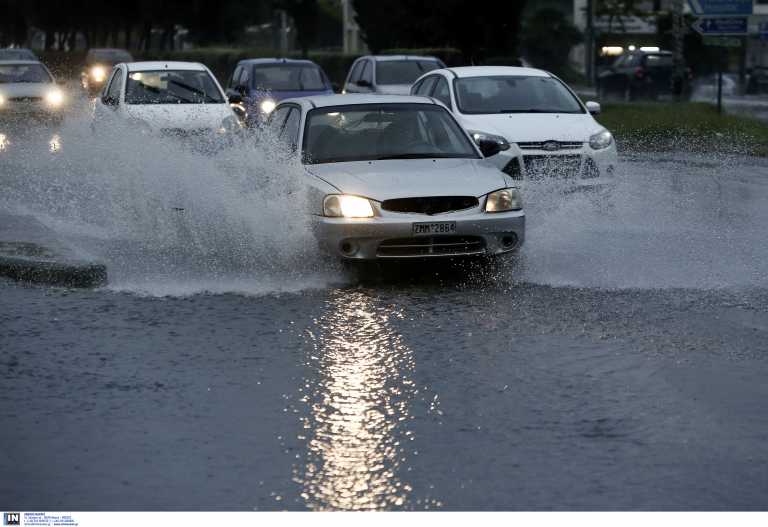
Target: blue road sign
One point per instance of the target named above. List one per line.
(721, 7)
(762, 29)
(731, 25)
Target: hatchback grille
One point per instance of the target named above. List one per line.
(561, 145)
(430, 205)
(184, 133)
(25, 99)
(431, 246)
(543, 166)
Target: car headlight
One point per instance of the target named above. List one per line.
(229, 125)
(98, 73)
(2, 100)
(504, 200)
(267, 106)
(54, 98)
(478, 137)
(601, 140)
(343, 206)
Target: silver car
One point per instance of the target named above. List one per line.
(397, 177)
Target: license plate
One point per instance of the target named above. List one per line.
(439, 227)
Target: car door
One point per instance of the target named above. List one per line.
(365, 84)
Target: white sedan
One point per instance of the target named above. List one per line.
(178, 99)
(397, 177)
(542, 126)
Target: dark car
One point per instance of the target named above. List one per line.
(259, 84)
(639, 74)
(757, 81)
(98, 65)
(17, 54)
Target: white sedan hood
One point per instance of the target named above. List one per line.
(184, 116)
(516, 127)
(410, 178)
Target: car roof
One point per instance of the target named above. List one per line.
(161, 65)
(490, 71)
(108, 49)
(320, 101)
(274, 60)
(384, 58)
(20, 61)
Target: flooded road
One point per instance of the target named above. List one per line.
(620, 364)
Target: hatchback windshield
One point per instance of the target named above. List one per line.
(171, 87)
(16, 54)
(514, 94)
(389, 131)
(403, 71)
(23, 73)
(288, 77)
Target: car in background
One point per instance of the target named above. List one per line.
(259, 84)
(388, 74)
(757, 81)
(18, 54)
(28, 90)
(396, 177)
(705, 87)
(98, 65)
(542, 128)
(170, 99)
(639, 74)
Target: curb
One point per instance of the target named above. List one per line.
(65, 273)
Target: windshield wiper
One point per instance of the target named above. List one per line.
(192, 89)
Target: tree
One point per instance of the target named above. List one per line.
(551, 52)
(304, 14)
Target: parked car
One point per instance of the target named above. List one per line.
(259, 84)
(28, 90)
(397, 177)
(98, 64)
(542, 128)
(388, 74)
(172, 99)
(640, 74)
(18, 54)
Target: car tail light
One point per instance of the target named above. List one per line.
(639, 73)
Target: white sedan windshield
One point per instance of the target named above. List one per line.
(172, 87)
(376, 131)
(514, 94)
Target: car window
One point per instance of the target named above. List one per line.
(243, 80)
(632, 61)
(367, 73)
(290, 132)
(658, 61)
(425, 87)
(383, 131)
(32, 73)
(277, 119)
(234, 80)
(442, 93)
(356, 69)
(619, 62)
(116, 85)
(172, 87)
(403, 71)
(288, 77)
(514, 94)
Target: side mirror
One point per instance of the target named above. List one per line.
(489, 147)
(593, 107)
(364, 83)
(235, 98)
(108, 100)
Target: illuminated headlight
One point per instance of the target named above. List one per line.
(2, 100)
(267, 106)
(54, 98)
(342, 206)
(479, 137)
(601, 140)
(504, 200)
(98, 73)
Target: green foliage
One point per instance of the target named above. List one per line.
(683, 126)
(549, 38)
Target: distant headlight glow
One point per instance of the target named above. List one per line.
(601, 140)
(98, 73)
(54, 98)
(2, 100)
(343, 206)
(504, 200)
(267, 106)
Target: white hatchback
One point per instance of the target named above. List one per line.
(179, 99)
(544, 128)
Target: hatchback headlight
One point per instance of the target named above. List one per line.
(2, 100)
(504, 200)
(54, 98)
(484, 136)
(99, 73)
(601, 140)
(267, 105)
(343, 206)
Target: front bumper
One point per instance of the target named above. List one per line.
(13, 111)
(581, 166)
(391, 237)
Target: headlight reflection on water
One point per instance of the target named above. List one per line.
(359, 397)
